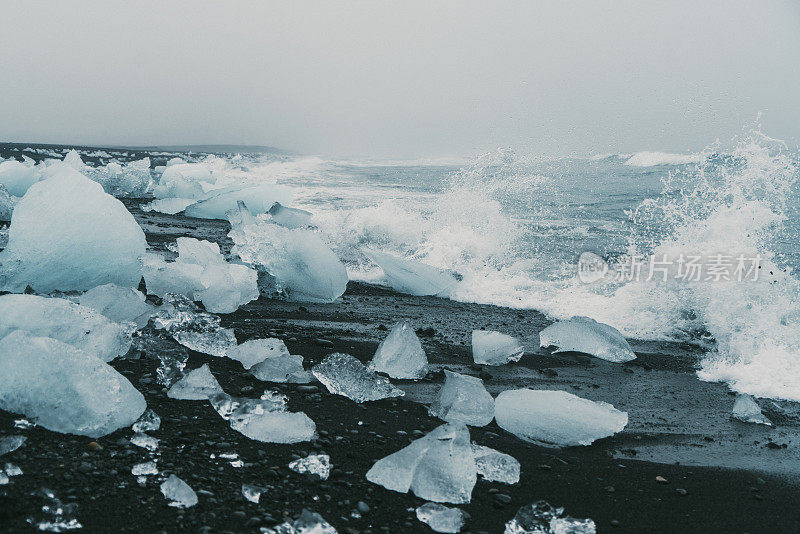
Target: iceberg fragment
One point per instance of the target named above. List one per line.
(344, 375)
(495, 466)
(307, 523)
(314, 464)
(289, 217)
(178, 492)
(172, 357)
(7, 203)
(148, 422)
(65, 389)
(556, 418)
(17, 177)
(13, 470)
(281, 368)
(400, 354)
(258, 199)
(251, 493)
(55, 517)
(746, 409)
(145, 469)
(264, 419)
(144, 441)
(131, 180)
(495, 348)
(170, 206)
(463, 399)
(255, 351)
(183, 180)
(11, 443)
(542, 518)
(413, 277)
(442, 518)
(198, 384)
(188, 325)
(119, 304)
(68, 234)
(584, 334)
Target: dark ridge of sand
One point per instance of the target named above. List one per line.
(731, 477)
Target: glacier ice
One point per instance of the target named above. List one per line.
(118, 304)
(18, 177)
(556, 418)
(296, 262)
(255, 351)
(11, 443)
(170, 206)
(495, 348)
(413, 277)
(280, 366)
(289, 217)
(584, 334)
(145, 469)
(13, 470)
(307, 523)
(68, 234)
(400, 354)
(7, 203)
(158, 345)
(258, 198)
(313, 464)
(198, 384)
(66, 321)
(131, 179)
(144, 441)
(251, 492)
(495, 466)
(344, 375)
(437, 467)
(195, 329)
(183, 180)
(542, 518)
(148, 422)
(746, 409)
(178, 492)
(264, 419)
(63, 388)
(442, 518)
(463, 399)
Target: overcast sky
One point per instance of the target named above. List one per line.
(402, 80)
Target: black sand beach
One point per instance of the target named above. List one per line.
(720, 475)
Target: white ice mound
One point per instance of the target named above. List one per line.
(746, 409)
(296, 262)
(400, 354)
(583, 334)
(64, 389)
(495, 348)
(178, 492)
(496, 466)
(442, 518)
(258, 199)
(438, 467)
(76, 325)
(68, 234)
(289, 217)
(556, 418)
(344, 375)
(198, 384)
(463, 399)
(183, 180)
(18, 177)
(413, 277)
(119, 304)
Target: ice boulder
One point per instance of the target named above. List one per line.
(344, 375)
(494, 348)
(118, 304)
(296, 263)
(183, 180)
(68, 322)
(747, 410)
(413, 277)
(68, 234)
(556, 418)
(258, 199)
(495, 466)
(18, 177)
(442, 518)
(289, 217)
(437, 467)
(463, 399)
(400, 354)
(584, 334)
(63, 388)
(198, 384)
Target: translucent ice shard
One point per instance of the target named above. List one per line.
(118, 304)
(255, 351)
(76, 325)
(583, 334)
(251, 492)
(556, 418)
(198, 384)
(542, 518)
(746, 409)
(11, 443)
(314, 464)
(170, 206)
(269, 360)
(289, 217)
(264, 419)
(438, 467)
(129, 180)
(158, 345)
(463, 399)
(64, 388)
(148, 422)
(413, 277)
(144, 441)
(144, 469)
(400, 354)
(442, 518)
(344, 375)
(494, 348)
(495, 466)
(13, 470)
(55, 516)
(193, 328)
(178, 492)
(307, 523)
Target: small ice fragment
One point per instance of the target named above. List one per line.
(264, 419)
(144, 468)
(56, 517)
(178, 492)
(442, 518)
(495, 466)
(251, 493)
(556, 418)
(464, 399)
(148, 422)
(307, 523)
(118, 304)
(198, 384)
(13, 470)
(289, 217)
(4, 479)
(11, 443)
(584, 334)
(413, 277)
(193, 328)
(255, 351)
(495, 348)
(400, 354)
(144, 441)
(542, 518)
(23, 424)
(158, 345)
(344, 375)
(282, 368)
(746, 409)
(314, 464)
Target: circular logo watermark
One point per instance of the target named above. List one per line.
(591, 267)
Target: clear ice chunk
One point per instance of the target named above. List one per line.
(307, 523)
(264, 419)
(585, 335)
(412, 277)
(252, 493)
(495, 348)
(495, 466)
(170, 206)
(280, 366)
(556, 418)
(148, 422)
(463, 399)
(344, 375)
(144, 441)
(193, 328)
(63, 388)
(289, 217)
(55, 516)
(131, 180)
(118, 304)
(158, 345)
(11, 443)
(542, 518)
(198, 384)
(183, 180)
(13, 470)
(442, 518)
(400, 354)
(746, 409)
(18, 177)
(314, 464)
(144, 469)
(259, 198)
(178, 492)
(255, 351)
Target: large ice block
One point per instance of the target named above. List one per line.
(344, 375)
(400, 354)
(18, 177)
(747, 410)
(413, 277)
(584, 334)
(118, 304)
(495, 348)
(289, 217)
(198, 384)
(258, 198)
(183, 180)
(463, 399)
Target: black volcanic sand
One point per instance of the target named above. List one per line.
(721, 475)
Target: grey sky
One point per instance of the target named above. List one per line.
(403, 80)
